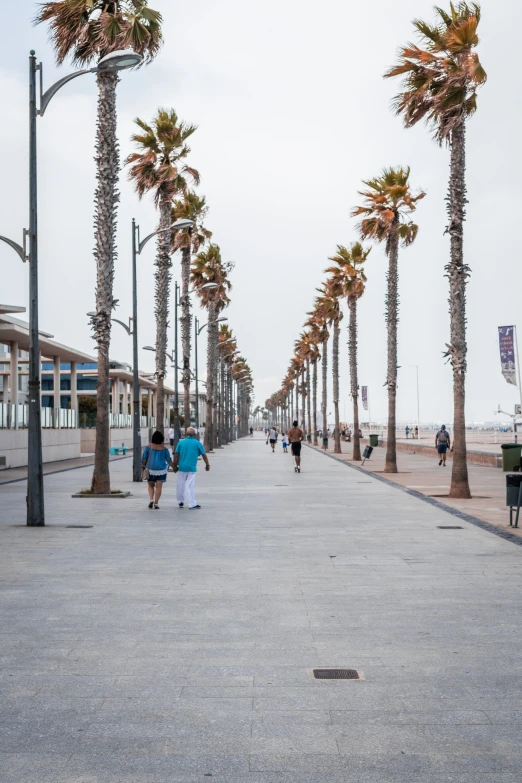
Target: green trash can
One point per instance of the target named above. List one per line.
(374, 439)
(511, 456)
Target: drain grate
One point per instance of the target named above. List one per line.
(336, 674)
(80, 527)
(450, 527)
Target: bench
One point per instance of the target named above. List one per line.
(118, 450)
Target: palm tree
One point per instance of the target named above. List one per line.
(348, 279)
(320, 321)
(331, 309)
(315, 339)
(85, 31)
(159, 166)
(190, 207)
(388, 201)
(311, 356)
(208, 267)
(441, 79)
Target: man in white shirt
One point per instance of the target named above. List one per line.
(171, 435)
(272, 437)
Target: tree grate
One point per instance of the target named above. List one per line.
(80, 527)
(450, 527)
(336, 674)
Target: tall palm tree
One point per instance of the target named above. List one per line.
(315, 339)
(190, 207)
(85, 31)
(320, 321)
(441, 79)
(348, 279)
(159, 166)
(311, 356)
(331, 309)
(208, 267)
(388, 201)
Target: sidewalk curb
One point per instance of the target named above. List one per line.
(62, 470)
(505, 534)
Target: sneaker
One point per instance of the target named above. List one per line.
(156, 506)
(151, 504)
(298, 470)
(181, 505)
(198, 506)
(440, 463)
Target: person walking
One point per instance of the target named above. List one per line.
(155, 462)
(416, 433)
(171, 435)
(407, 432)
(442, 443)
(186, 465)
(272, 437)
(285, 443)
(296, 437)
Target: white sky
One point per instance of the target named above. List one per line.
(292, 114)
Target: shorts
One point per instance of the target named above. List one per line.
(153, 479)
(272, 441)
(171, 441)
(296, 449)
(442, 448)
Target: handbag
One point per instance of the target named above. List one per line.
(145, 474)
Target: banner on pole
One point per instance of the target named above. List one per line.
(506, 340)
(364, 394)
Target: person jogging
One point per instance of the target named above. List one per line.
(442, 443)
(296, 437)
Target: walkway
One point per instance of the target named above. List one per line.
(177, 645)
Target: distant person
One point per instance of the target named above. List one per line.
(296, 437)
(407, 432)
(186, 465)
(156, 460)
(285, 442)
(416, 433)
(442, 443)
(272, 437)
(171, 435)
(251, 432)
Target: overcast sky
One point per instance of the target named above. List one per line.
(293, 113)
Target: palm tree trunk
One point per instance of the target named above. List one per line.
(314, 400)
(162, 278)
(392, 318)
(354, 381)
(209, 435)
(215, 411)
(308, 395)
(325, 388)
(335, 367)
(105, 211)
(458, 273)
(291, 406)
(303, 398)
(186, 323)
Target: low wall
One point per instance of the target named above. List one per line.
(118, 437)
(56, 445)
(473, 457)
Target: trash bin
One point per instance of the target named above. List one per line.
(325, 444)
(367, 453)
(513, 482)
(511, 456)
(308, 438)
(374, 440)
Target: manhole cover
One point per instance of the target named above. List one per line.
(336, 674)
(450, 527)
(80, 527)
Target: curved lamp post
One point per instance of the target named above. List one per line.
(116, 61)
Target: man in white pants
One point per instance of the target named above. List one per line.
(186, 464)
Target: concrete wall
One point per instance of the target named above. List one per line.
(118, 436)
(56, 445)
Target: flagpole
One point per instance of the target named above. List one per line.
(369, 411)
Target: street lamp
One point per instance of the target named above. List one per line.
(115, 61)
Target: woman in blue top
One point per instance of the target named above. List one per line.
(156, 458)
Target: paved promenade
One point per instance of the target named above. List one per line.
(177, 646)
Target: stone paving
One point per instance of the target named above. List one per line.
(177, 645)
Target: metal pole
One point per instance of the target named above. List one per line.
(136, 412)
(176, 395)
(196, 326)
(418, 404)
(35, 490)
(519, 384)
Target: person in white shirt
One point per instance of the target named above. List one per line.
(272, 437)
(171, 435)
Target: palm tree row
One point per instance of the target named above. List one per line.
(440, 79)
(85, 31)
